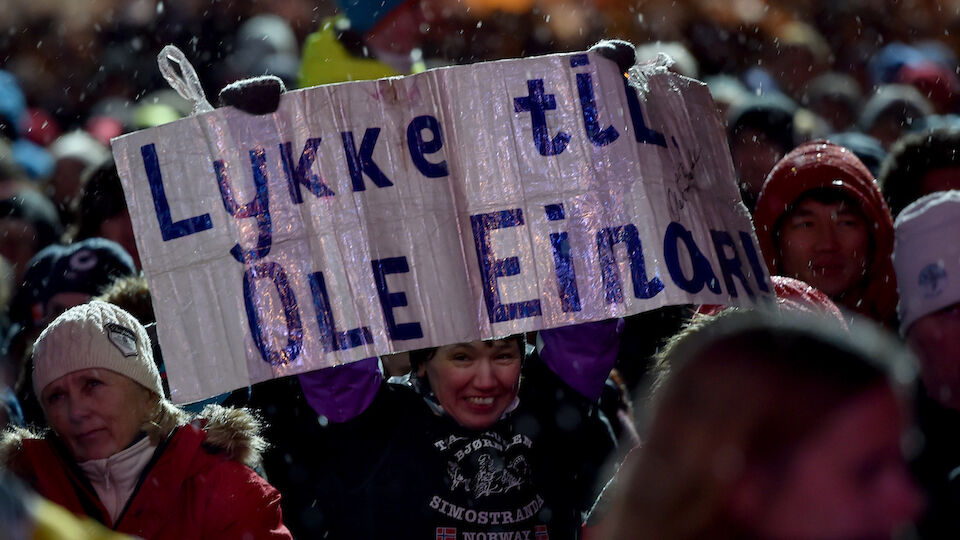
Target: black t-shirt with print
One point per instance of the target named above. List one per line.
(401, 470)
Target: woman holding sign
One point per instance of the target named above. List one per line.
(467, 447)
(122, 454)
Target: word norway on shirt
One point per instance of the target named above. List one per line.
(450, 533)
(539, 533)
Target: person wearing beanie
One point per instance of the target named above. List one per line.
(929, 293)
(57, 278)
(820, 218)
(60, 277)
(927, 261)
(119, 452)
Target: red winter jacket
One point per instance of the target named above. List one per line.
(191, 491)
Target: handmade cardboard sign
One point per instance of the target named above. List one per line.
(457, 204)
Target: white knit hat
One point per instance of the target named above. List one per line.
(926, 256)
(94, 335)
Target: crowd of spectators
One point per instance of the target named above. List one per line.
(843, 127)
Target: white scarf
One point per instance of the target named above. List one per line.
(114, 478)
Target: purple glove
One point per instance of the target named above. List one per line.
(582, 355)
(342, 392)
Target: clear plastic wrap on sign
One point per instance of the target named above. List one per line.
(458, 204)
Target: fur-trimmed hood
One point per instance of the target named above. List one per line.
(233, 432)
(11, 440)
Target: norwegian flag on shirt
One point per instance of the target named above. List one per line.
(540, 532)
(447, 533)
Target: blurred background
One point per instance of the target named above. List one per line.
(77, 60)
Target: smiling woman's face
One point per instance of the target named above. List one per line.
(475, 382)
(96, 412)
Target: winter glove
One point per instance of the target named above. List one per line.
(256, 95)
(620, 51)
(582, 355)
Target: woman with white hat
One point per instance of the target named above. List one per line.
(119, 452)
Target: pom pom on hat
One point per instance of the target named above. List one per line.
(94, 335)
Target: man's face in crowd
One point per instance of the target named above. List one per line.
(935, 338)
(826, 245)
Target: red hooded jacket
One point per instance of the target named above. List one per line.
(191, 491)
(820, 164)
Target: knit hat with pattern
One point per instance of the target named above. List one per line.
(94, 335)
